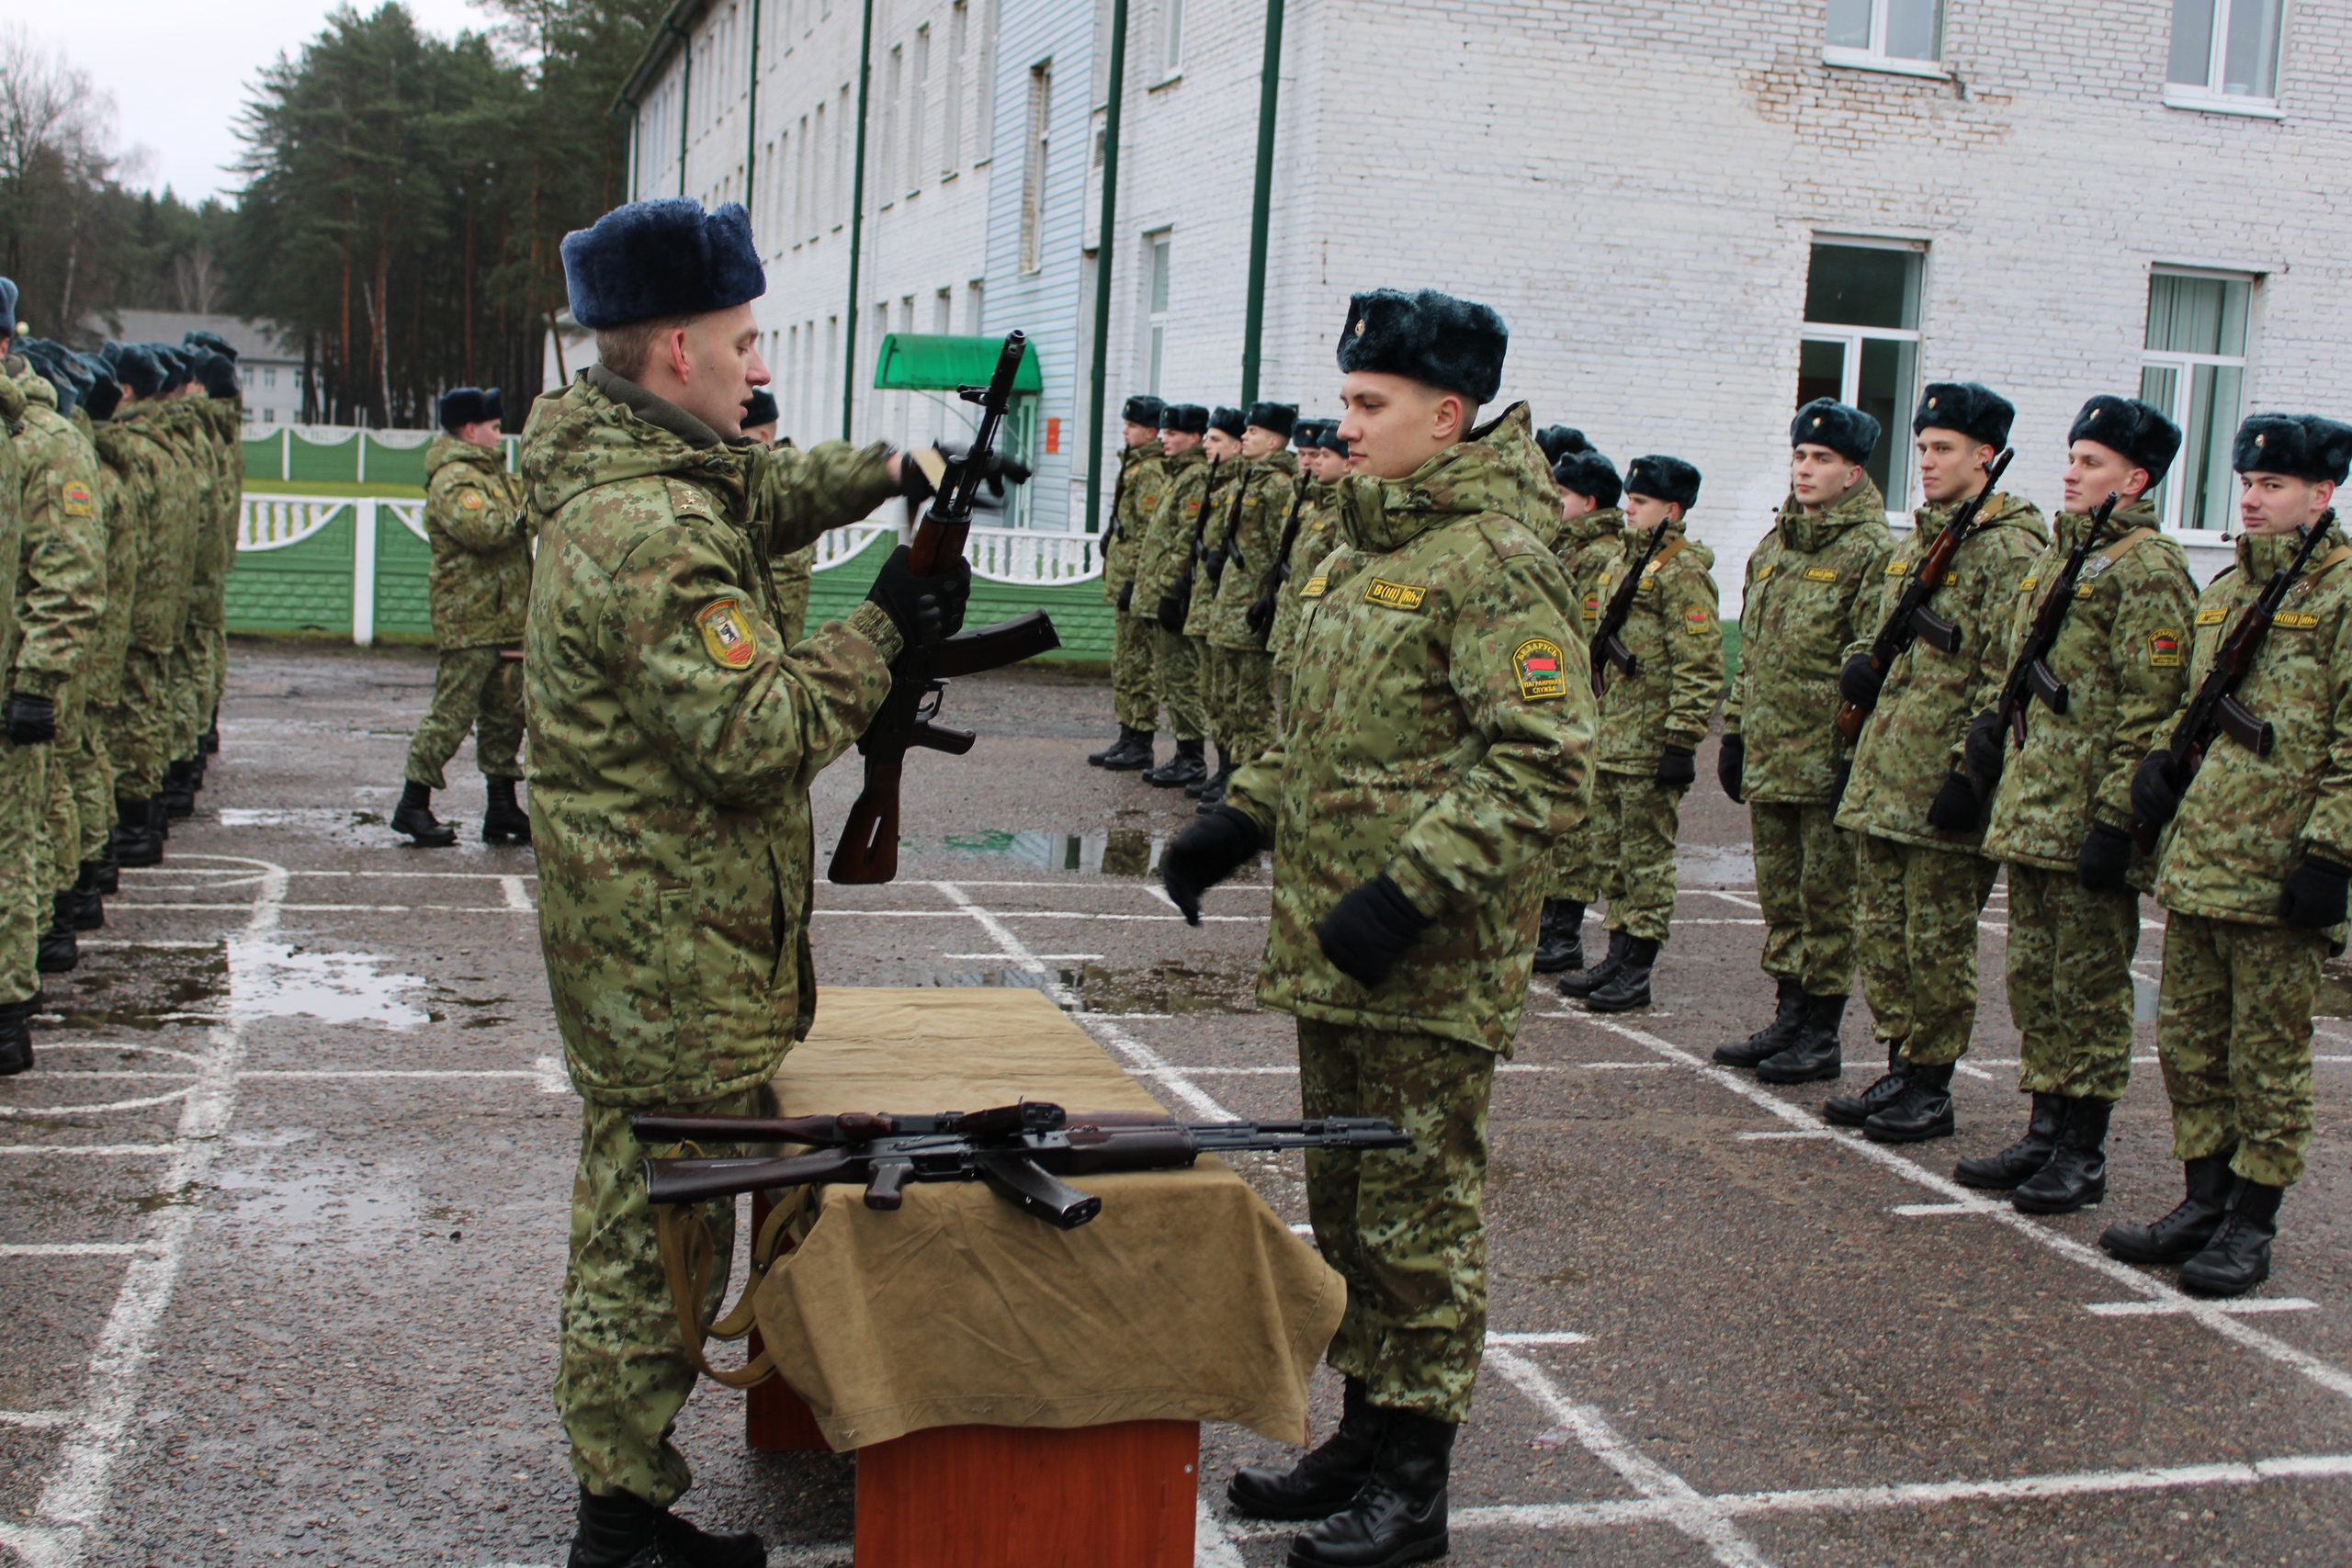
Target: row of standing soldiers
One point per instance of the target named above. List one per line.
(120, 489)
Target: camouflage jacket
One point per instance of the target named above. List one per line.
(1250, 544)
(1584, 546)
(1812, 587)
(12, 535)
(791, 574)
(167, 546)
(208, 559)
(672, 740)
(2121, 653)
(229, 448)
(1678, 649)
(481, 556)
(1194, 485)
(61, 587)
(1911, 742)
(1318, 531)
(2246, 821)
(127, 501)
(1143, 479)
(1439, 730)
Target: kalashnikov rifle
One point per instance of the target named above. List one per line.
(1229, 550)
(1608, 647)
(1260, 615)
(1911, 620)
(1021, 1151)
(868, 849)
(1182, 593)
(2030, 676)
(2215, 710)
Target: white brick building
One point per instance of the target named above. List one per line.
(1690, 214)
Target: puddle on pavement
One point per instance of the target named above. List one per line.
(356, 1209)
(1714, 865)
(144, 987)
(348, 825)
(1159, 987)
(1121, 852)
(270, 979)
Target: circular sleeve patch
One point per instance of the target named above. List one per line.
(724, 636)
(1541, 670)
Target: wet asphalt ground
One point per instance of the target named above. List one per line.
(286, 1202)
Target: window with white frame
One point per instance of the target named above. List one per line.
(886, 166)
(918, 85)
(1037, 143)
(1861, 343)
(951, 130)
(1895, 35)
(2223, 51)
(1156, 307)
(2194, 369)
(1171, 36)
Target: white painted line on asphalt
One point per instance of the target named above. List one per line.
(1726, 897)
(1973, 1071)
(71, 1248)
(1561, 1337)
(518, 897)
(121, 1150)
(111, 942)
(338, 909)
(2324, 1373)
(44, 1113)
(1972, 1206)
(2167, 1309)
(37, 1419)
(1042, 958)
(1795, 1133)
(277, 1074)
(1211, 1547)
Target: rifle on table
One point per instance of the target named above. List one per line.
(1021, 1151)
(2030, 676)
(1260, 615)
(868, 849)
(1911, 620)
(2215, 710)
(1608, 647)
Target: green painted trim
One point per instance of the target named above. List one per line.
(930, 362)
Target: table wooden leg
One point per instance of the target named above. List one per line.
(774, 1419)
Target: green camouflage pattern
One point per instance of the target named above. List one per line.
(1250, 544)
(2233, 1036)
(1585, 548)
(1221, 493)
(475, 689)
(1165, 550)
(673, 742)
(1134, 500)
(126, 503)
(1403, 1227)
(1318, 535)
(481, 578)
(1678, 649)
(1632, 830)
(208, 565)
(791, 574)
(2070, 983)
(1238, 688)
(1911, 742)
(1440, 732)
(2246, 821)
(1807, 881)
(1917, 944)
(1133, 702)
(1813, 589)
(61, 584)
(2124, 654)
(1176, 683)
(24, 789)
(166, 555)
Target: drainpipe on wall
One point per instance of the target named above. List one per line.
(752, 119)
(857, 220)
(1261, 201)
(1105, 243)
(685, 97)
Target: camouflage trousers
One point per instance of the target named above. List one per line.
(1241, 702)
(1176, 681)
(622, 1376)
(1916, 941)
(138, 727)
(2070, 984)
(1571, 869)
(476, 689)
(1806, 872)
(2234, 1033)
(1132, 701)
(1403, 1227)
(24, 896)
(202, 666)
(1630, 832)
(61, 818)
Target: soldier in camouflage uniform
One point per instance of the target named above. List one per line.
(1163, 554)
(2253, 872)
(794, 571)
(481, 581)
(138, 737)
(2063, 804)
(1143, 474)
(1923, 874)
(126, 502)
(200, 392)
(23, 759)
(1590, 537)
(1812, 589)
(1324, 466)
(1240, 572)
(674, 739)
(1438, 745)
(1229, 475)
(1651, 724)
(223, 404)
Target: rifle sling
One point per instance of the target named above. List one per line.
(687, 1259)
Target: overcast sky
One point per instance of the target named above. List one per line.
(179, 71)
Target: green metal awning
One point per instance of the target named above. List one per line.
(929, 362)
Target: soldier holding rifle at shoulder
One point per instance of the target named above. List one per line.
(1143, 473)
(1163, 554)
(2257, 857)
(1592, 526)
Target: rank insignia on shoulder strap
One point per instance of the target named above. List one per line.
(1541, 670)
(1314, 586)
(724, 636)
(1819, 574)
(2213, 617)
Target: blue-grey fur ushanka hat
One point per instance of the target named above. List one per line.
(1453, 344)
(1227, 420)
(1663, 479)
(7, 306)
(211, 342)
(1589, 474)
(2301, 446)
(140, 373)
(1280, 418)
(1969, 407)
(1187, 419)
(1843, 428)
(654, 259)
(105, 389)
(462, 406)
(759, 408)
(1142, 408)
(1558, 441)
(218, 374)
(2146, 437)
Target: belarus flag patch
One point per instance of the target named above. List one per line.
(1541, 670)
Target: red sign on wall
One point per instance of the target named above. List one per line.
(1053, 435)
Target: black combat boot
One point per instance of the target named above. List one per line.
(1212, 795)
(624, 1530)
(178, 797)
(1328, 1479)
(2014, 1165)
(2075, 1177)
(1630, 986)
(2181, 1235)
(138, 840)
(413, 815)
(17, 1037)
(1399, 1517)
(503, 822)
(1921, 1112)
(89, 905)
(210, 742)
(1116, 755)
(57, 952)
(1818, 1053)
(108, 877)
(1853, 1109)
(1185, 767)
(1584, 982)
(1202, 785)
(2238, 1258)
(1559, 939)
(1788, 1021)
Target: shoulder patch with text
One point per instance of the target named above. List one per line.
(2296, 620)
(724, 636)
(1540, 671)
(1314, 586)
(2213, 617)
(1396, 595)
(2164, 649)
(75, 498)
(1819, 574)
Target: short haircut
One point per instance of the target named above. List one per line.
(625, 349)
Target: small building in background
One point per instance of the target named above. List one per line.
(272, 373)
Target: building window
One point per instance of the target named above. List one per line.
(1861, 343)
(1171, 36)
(1036, 142)
(1157, 313)
(1890, 35)
(985, 92)
(951, 132)
(2194, 370)
(2225, 51)
(270, 377)
(886, 166)
(918, 108)
(269, 416)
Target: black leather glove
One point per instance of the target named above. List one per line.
(1214, 564)
(2106, 855)
(1956, 808)
(1172, 607)
(1127, 597)
(1204, 855)
(33, 721)
(925, 609)
(1859, 683)
(1677, 768)
(921, 473)
(2314, 895)
(1731, 767)
(997, 470)
(1369, 930)
(2153, 800)
(1986, 751)
(1260, 616)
